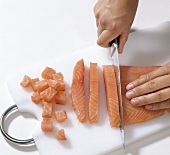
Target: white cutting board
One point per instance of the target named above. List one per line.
(145, 47)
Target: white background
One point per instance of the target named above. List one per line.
(32, 31)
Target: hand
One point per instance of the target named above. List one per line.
(151, 90)
(114, 18)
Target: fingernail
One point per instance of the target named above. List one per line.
(135, 101)
(148, 106)
(129, 86)
(129, 94)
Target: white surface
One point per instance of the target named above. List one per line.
(32, 31)
(100, 138)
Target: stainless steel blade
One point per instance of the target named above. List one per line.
(115, 57)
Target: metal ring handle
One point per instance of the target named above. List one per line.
(7, 112)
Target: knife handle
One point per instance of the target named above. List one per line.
(116, 41)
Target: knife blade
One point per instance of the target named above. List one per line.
(115, 57)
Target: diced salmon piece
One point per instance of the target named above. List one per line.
(94, 93)
(111, 94)
(47, 124)
(48, 94)
(47, 109)
(47, 73)
(60, 98)
(36, 97)
(25, 82)
(41, 85)
(59, 78)
(78, 91)
(33, 82)
(60, 116)
(60, 135)
(53, 83)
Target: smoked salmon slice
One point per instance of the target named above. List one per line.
(94, 92)
(78, 92)
(111, 95)
(60, 135)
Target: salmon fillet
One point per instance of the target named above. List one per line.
(111, 95)
(132, 114)
(94, 92)
(78, 92)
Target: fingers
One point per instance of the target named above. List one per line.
(100, 30)
(123, 39)
(106, 36)
(150, 86)
(157, 106)
(155, 97)
(145, 78)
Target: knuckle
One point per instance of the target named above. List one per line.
(148, 77)
(152, 85)
(103, 22)
(159, 95)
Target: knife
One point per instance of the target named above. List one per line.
(115, 57)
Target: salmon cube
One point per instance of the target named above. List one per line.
(47, 109)
(60, 135)
(58, 76)
(60, 116)
(36, 97)
(47, 124)
(47, 73)
(33, 82)
(62, 86)
(48, 94)
(54, 84)
(41, 85)
(59, 98)
(25, 82)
